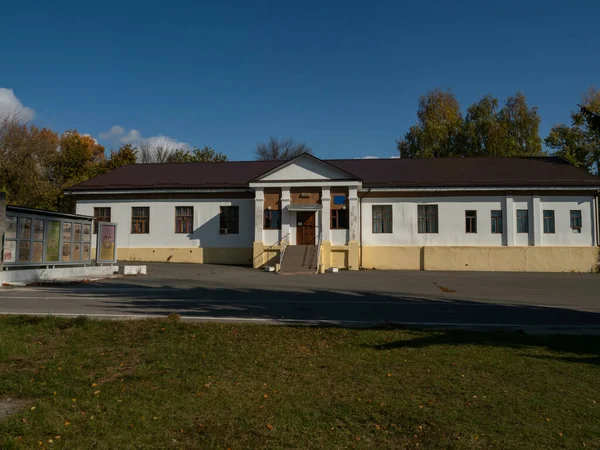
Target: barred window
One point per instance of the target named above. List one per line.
(100, 215)
(382, 219)
(339, 219)
(140, 220)
(576, 220)
(272, 219)
(497, 221)
(548, 221)
(428, 218)
(184, 219)
(471, 221)
(229, 220)
(522, 221)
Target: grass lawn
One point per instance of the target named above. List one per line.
(164, 384)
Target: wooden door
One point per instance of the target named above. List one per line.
(305, 228)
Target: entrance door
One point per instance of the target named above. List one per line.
(305, 230)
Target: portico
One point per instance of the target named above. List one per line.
(302, 194)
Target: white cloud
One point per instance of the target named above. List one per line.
(368, 157)
(119, 136)
(11, 105)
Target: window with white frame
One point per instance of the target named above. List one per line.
(471, 221)
(229, 220)
(548, 221)
(496, 217)
(576, 220)
(382, 219)
(522, 221)
(428, 218)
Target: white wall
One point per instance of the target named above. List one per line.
(451, 220)
(562, 207)
(521, 202)
(339, 237)
(271, 237)
(162, 222)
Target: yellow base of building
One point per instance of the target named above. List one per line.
(232, 256)
(498, 259)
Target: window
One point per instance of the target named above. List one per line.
(470, 221)
(339, 219)
(497, 221)
(140, 220)
(100, 215)
(272, 219)
(548, 221)
(522, 221)
(576, 220)
(382, 219)
(184, 219)
(428, 218)
(229, 220)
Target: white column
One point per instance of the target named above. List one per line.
(537, 221)
(285, 212)
(354, 219)
(509, 221)
(325, 213)
(259, 207)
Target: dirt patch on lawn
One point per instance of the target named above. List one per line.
(10, 406)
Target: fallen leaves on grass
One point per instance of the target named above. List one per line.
(269, 426)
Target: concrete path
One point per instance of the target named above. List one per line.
(543, 302)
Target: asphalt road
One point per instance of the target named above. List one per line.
(564, 301)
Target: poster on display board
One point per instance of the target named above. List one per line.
(106, 246)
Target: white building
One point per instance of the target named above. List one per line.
(505, 214)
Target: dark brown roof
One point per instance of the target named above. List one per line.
(401, 173)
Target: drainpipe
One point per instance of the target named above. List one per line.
(360, 230)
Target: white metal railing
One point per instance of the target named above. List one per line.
(283, 243)
(318, 253)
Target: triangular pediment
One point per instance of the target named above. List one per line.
(305, 167)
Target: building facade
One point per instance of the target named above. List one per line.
(505, 214)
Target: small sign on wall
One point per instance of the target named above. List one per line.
(106, 247)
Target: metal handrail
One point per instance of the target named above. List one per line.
(283, 243)
(318, 254)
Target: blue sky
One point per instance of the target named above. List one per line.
(344, 77)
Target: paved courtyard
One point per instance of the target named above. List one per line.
(479, 299)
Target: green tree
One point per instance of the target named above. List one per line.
(276, 149)
(519, 126)
(206, 154)
(26, 153)
(482, 134)
(485, 131)
(579, 143)
(438, 130)
(126, 154)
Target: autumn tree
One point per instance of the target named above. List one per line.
(519, 125)
(437, 132)
(280, 149)
(126, 154)
(485, 130)
(26, 155)
(579, 143)
(206, 154)
(79, 157)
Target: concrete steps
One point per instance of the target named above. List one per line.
(300, 260)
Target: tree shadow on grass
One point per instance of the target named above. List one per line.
(334, 307)
(567, 347)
